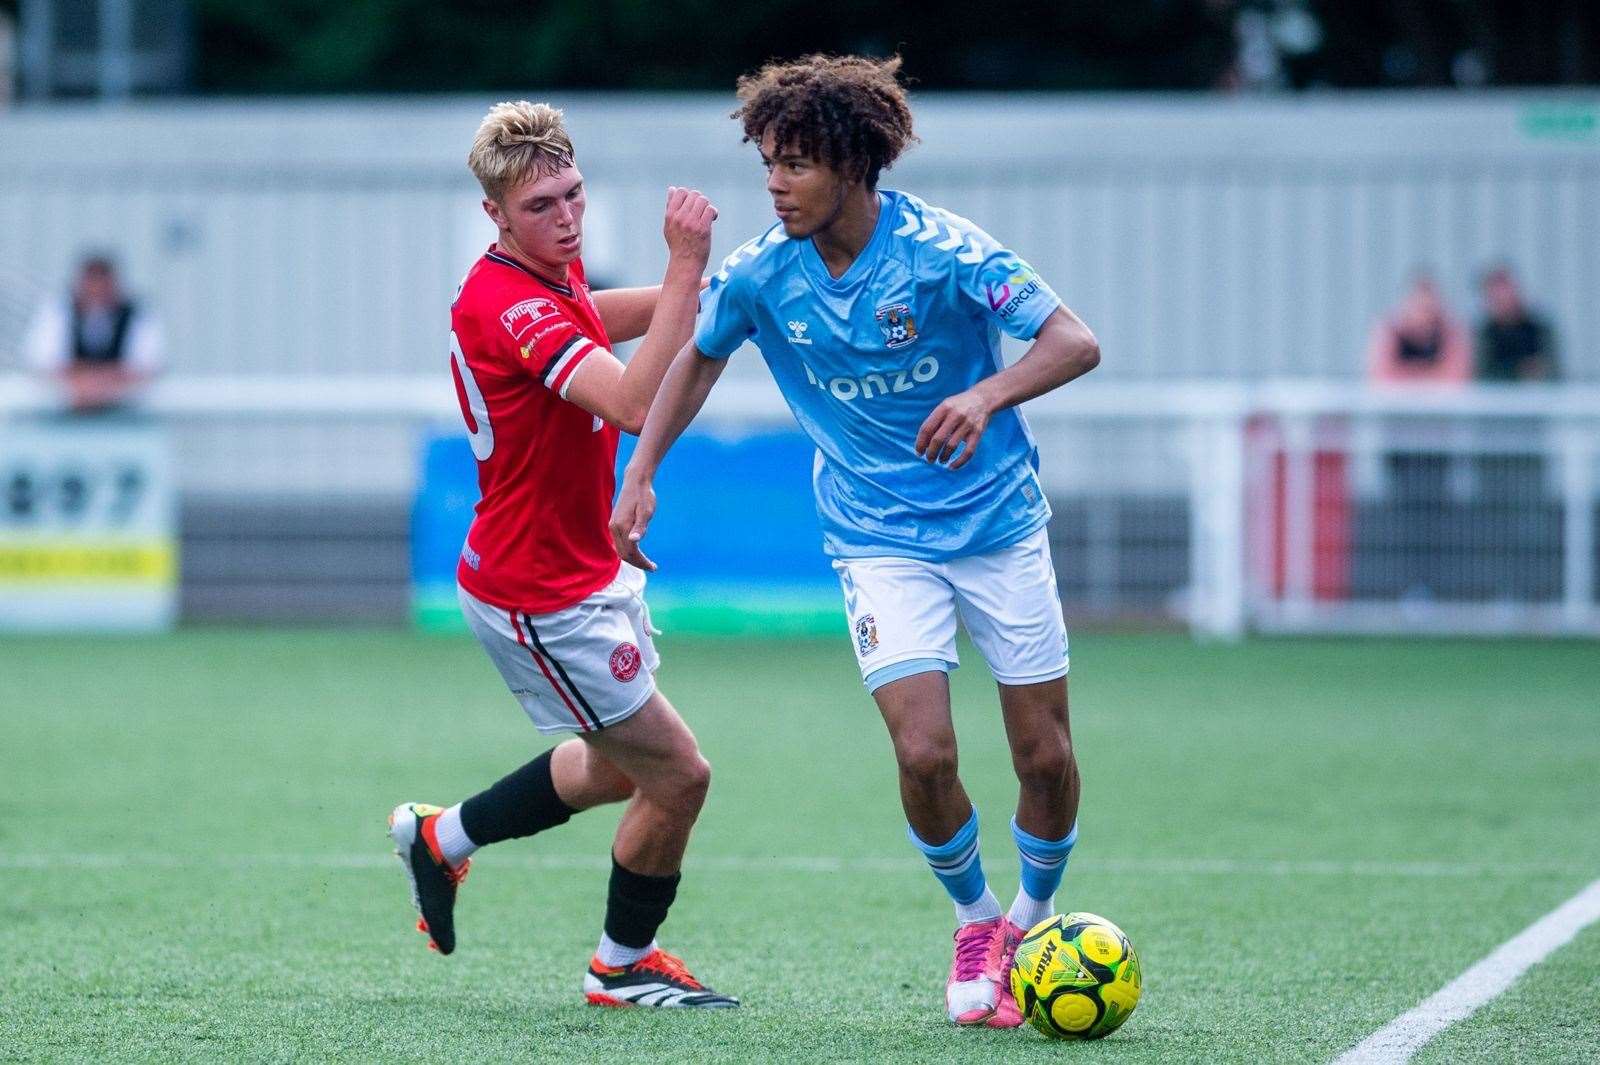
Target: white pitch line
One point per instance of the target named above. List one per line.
(1402, 1037)
(379, 859)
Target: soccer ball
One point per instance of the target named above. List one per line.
(1075, 977)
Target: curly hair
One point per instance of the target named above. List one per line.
(850, 112)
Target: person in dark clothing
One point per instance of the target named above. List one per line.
(1514, 344)
(98, 342)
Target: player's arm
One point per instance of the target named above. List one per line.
(1063, 349)
(683, 393)
(626, 312)
(620, 394)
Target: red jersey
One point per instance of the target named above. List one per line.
(540, 540)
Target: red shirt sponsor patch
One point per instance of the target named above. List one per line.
(524, 316)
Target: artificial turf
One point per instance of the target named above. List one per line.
(1302, 838)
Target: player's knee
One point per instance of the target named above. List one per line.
(697, 780)
(927, 763)
(1046, 766)
(690, 782)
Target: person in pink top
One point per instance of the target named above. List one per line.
(1421, 342)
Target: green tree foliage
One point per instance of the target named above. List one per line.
(423, 45)
(316, 46)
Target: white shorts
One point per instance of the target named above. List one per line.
(903, 612)
(578, 669)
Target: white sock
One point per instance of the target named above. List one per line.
(985, 908)
(454, 843)
(1028, 911)
(612, 953)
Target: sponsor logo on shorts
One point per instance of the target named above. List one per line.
(521, 317)
(625, 661)
(867, 634)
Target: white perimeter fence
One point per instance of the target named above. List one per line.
(1280, 507)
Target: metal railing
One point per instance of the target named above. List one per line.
(1287, 506)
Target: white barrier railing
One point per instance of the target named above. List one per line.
(1309, 507)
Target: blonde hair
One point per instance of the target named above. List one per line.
(516, 142)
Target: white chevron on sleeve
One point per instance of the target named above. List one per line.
(963, 239)
(975, 252)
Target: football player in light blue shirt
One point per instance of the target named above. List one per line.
(880, 317)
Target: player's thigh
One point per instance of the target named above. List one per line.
(901, 614)
(1037, 721)
(1009, 604)
(577, 670)
(916, 711)
(654, 747)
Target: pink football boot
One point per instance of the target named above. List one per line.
(969, 996)
(1006, 939)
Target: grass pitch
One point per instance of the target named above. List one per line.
(1302, 838)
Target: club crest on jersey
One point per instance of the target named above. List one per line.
(625, 662)
(866, 634)
(899, 328)
(797, 332)
(521, 317)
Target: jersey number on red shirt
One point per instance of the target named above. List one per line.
(473, 408)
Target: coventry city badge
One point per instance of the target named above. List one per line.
(867, 634)
(898, 327)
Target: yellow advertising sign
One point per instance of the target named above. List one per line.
(147, 563)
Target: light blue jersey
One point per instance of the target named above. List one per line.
(863, 359)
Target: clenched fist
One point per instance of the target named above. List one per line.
(688, 227)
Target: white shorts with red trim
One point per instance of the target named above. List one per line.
(579, 669)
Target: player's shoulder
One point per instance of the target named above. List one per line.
(935, 239)
(496, 290)
(757, 260)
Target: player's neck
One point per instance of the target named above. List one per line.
(556, 272)
(841, 240)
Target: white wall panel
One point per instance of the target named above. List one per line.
(1203, 238)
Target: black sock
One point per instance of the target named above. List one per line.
(518, 804)
(637, 904)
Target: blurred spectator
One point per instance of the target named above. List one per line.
(1420, 342)
(1514, 344)
(99, 343)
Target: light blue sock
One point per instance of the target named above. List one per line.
(1043, 863)
(960, 869)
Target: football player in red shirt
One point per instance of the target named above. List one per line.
(540, 583)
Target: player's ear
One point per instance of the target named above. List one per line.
(495, 213)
